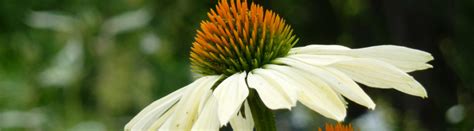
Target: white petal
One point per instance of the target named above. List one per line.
(285, 85)
(154, 111)
(272, 89)
(230, 95)
(321, 60)
(335, 79)
(208, 119)
(239, 123)
(165, 117)
(404, 58)
(318, 49)
(187, 108)
(315, 93)
(379, 74)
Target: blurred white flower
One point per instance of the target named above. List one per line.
(150, 43)
(51, 20)
(455, 114)
(127, 21)
(65, 67)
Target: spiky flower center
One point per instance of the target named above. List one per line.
(236, 38)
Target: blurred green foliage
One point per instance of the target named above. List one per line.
(92, 65)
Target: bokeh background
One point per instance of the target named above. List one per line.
(91, 65)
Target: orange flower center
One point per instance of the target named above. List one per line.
(337, 127)
(239, 38)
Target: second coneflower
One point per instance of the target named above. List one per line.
(248, 68)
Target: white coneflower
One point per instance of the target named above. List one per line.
(248, 68)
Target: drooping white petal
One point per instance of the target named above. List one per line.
(283, 81)
(272, 89)
(320, 60)
(318, 49)
(359, 96)
(315, 93)
(379, 74)
(208, 120)
(335, 79)
(187, 108)
(404, 58)
(230, 95)
(154, 111)
(165, 117)
(239, 123)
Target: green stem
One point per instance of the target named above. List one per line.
(263, 117)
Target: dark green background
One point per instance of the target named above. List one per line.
(80, 64)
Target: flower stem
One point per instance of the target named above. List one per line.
(263, 117)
